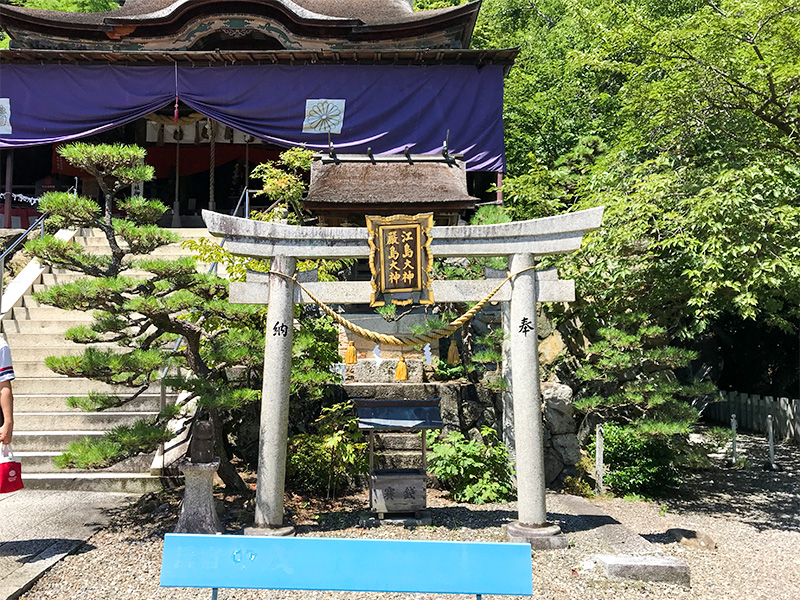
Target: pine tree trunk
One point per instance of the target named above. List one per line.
(227, 473)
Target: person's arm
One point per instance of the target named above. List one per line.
(7, 407)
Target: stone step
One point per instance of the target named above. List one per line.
(398, 441)
(97, 237)
(57, 278)
(42, 462)
(37, 462)
(65, 273)
(85, 421)
(39, 352)
(36, 340)
(48, 313)
(45, 327)
(49, 440)
(392, 391)
(131, 483)
(71, 386)
(33, 368)
(398, 459)
(57, 403)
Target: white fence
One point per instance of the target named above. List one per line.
(751, 414)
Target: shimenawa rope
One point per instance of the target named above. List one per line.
(403, 340)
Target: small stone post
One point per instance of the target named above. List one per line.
(734, 458)
(771, 465)
(598, 461)
(532, 526)
(771, 439)
(198, 514)
(275, 402)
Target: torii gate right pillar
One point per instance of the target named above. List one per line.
(532, 526)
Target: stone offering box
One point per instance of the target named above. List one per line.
(397, 491)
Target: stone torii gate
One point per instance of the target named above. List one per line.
(521, 241)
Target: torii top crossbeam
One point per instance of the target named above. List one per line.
(550, 235)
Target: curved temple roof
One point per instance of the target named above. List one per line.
(243, 25)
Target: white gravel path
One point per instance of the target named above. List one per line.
(753, 516)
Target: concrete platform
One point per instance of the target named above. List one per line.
(634, 557)
(665, 569)
(39, 528)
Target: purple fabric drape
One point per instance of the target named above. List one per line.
(386, 107)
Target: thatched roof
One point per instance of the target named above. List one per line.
(420, 182)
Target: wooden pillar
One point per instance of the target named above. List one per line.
(9, 183)
(212, 165)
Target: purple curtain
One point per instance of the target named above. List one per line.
(387, 108)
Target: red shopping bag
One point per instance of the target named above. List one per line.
(10, 471)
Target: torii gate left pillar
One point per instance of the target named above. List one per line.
(522, 241)
(275, 401)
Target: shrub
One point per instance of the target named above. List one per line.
(577, 487)
(308, 465)
(472, 471)
(718, 437)
(88, 453)
(638, 460)
(326, 461)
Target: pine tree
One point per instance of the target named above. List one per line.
(146, 305)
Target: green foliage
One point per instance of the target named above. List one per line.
(122, 441)
(577, 487)
(314, 350)
(113, 165)
(491, 346)
(475, 472)
(327, 460)
(308, 466)
(67, 254)
(71, 210)
(282, 181)
(141, 436)
(210, 251)
(444, 371)
(140, 211)
(89, 453)
(681, 121)
(94, 402)
(221, 345)
(143, 239)
(70, 5)
(629, 373)
(719, 437)
(638, 461)
(490, 215)
(474, 268)
(388, 312)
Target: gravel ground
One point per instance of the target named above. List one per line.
(752, 515)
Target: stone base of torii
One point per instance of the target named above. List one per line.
(521, 241)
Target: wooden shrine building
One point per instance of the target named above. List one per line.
(211, 88)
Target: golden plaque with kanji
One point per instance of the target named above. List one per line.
(400, 259)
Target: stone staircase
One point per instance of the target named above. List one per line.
(44, 425)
